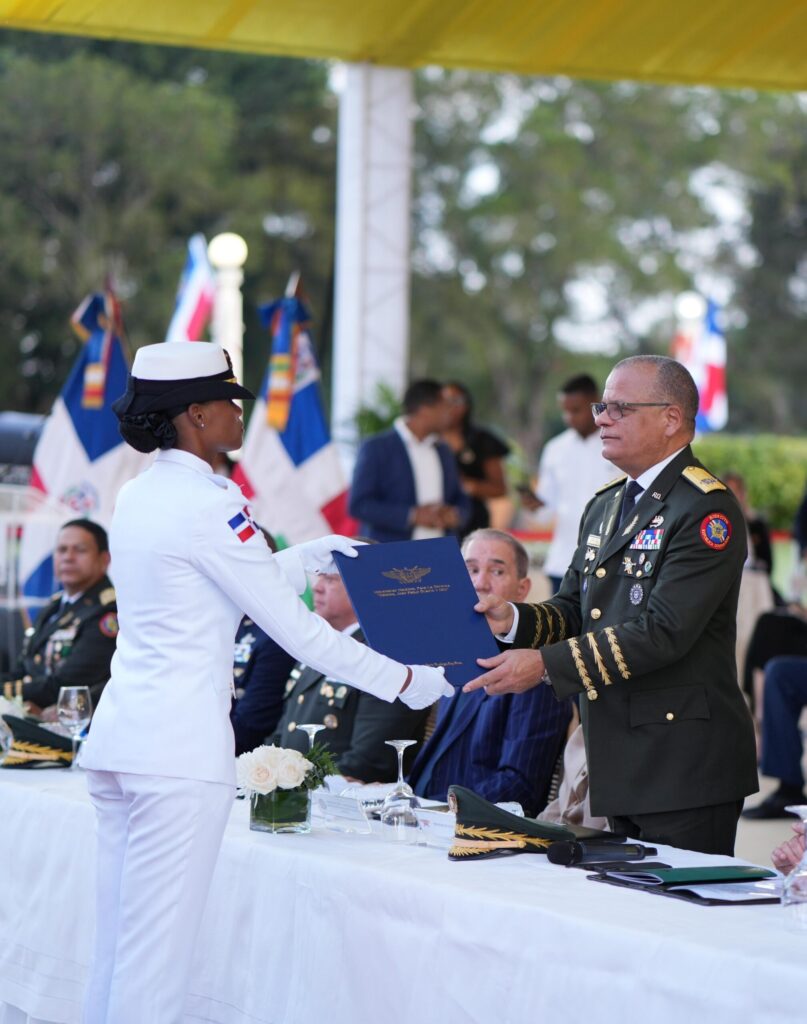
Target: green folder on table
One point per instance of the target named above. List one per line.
(723, 885)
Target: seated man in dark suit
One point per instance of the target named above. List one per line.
(73, 639)
(357, 725)
(501, 748)
(405, 485)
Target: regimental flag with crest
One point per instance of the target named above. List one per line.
(701, 347)
(81, 461)
(195, 294)
(290, 469)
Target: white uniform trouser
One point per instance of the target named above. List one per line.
(158, 840)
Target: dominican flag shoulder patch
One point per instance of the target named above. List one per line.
(242, 525)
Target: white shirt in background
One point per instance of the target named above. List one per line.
(427, 471)
(570, 471)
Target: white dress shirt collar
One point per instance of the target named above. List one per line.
(649, 475)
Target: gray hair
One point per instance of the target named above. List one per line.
(673, 383)
(522, 559)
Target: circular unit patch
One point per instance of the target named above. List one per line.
(716, 531)
(108, 625)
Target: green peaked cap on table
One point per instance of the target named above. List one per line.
(485, 830)
(35, 747)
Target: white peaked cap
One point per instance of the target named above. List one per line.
(180, 360)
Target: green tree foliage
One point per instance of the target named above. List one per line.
(114, 154)
(774, 469)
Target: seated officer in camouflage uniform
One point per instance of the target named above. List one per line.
(73, 638)
(644, 625)
(356, 723)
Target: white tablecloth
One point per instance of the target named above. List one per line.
(346, 928)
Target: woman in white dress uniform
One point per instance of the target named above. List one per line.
(188, 562)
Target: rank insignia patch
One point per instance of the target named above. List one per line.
(647, 540)
(716, 531)
(242, 525)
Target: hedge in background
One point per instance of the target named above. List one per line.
(774, 469)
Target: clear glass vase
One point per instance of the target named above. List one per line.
(794, 889)
(284, 810)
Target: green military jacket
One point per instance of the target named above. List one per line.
(73, 648)
(357, 724)
(644, 628)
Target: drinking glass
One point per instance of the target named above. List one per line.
(794, 889)
(74, 710)
(311, 731)
(398, 818)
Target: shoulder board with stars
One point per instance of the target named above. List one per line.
(611, 483)
(702, 479)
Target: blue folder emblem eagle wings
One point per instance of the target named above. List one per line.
(411, 575)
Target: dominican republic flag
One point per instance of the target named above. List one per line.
(701, 346)
(289, 468)
(195, 294)
(80, 461)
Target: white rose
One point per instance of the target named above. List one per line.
(292, 769)
(256, 771)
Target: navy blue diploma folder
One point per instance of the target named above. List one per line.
(415, 602)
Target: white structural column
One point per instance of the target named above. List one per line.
(374, 173)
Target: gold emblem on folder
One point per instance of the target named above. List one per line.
(410, 575)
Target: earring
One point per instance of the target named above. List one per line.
(201, 424)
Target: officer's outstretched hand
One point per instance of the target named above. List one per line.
(316, 556)
(499, 613)
(511, 672)
(427, 685)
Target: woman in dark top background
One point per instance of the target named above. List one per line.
(479, 455)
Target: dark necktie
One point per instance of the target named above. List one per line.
(632, 492)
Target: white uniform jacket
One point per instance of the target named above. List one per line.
(188, 563)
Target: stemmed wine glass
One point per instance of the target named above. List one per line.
(311, 731)
(74, 711)
(398, 818)
(794, 889)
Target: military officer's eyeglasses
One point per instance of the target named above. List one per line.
(616, 410)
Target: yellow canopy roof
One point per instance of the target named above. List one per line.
(714, 42)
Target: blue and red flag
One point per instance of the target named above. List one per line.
(80, 461)
(289, 468)
(195, 294)
(701, 346)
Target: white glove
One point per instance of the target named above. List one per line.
(317, 555)
(425, 687)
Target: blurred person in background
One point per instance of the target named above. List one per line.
(480, 455)
(405, 484)
(570, 471)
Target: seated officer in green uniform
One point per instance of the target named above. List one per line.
(357, 724)
(73, 638)
(644, 625)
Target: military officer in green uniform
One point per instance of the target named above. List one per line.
(357, 724)
(73, 639)
(643, 627)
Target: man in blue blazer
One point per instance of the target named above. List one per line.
(501, 749)
(405, 484)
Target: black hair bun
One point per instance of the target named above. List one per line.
(148, 432)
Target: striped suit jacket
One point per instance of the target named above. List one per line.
(502, 748)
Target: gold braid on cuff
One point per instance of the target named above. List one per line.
(616, 650)
(580, 665)
(592, 642)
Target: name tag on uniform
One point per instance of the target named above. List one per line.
(647, 540)
(594, 540)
